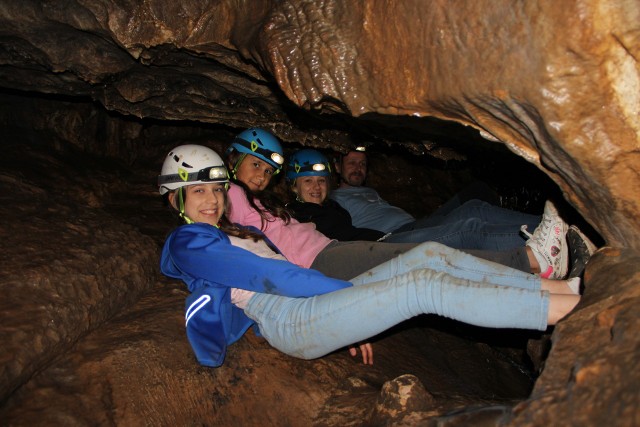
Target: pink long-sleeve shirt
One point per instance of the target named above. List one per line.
(299, 242)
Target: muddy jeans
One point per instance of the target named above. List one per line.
(345, 260)
(431, 278)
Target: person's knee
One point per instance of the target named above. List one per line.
(471, 224)
(480, 190)
(475, 203)
(433, 246)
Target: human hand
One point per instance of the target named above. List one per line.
(367, 353)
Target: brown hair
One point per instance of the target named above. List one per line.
(271, 203)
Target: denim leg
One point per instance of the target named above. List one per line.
(470, 233)
(482, 210)
(453, 262)
(312, 327)
(493, 214)
(475, 191)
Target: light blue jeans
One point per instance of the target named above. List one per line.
(431, 278)
(473, 225)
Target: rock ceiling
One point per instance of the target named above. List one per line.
(556, 82)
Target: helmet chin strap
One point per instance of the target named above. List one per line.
(181, 205)
(298, 196)
(237, 165)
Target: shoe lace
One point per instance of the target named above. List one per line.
(539, 233)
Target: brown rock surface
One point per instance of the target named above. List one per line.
(91, 334)
(557, 83)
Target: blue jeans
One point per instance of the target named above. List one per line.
(431, 278)
(473, 225)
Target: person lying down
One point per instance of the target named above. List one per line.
(238, 279)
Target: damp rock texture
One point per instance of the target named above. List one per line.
(91, 333)
(558, 83)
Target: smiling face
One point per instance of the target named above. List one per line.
(312, 189)
(254, 173)
(352, 169)
(203, 202)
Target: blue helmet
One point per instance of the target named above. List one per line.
(259, 143)
(308, 162)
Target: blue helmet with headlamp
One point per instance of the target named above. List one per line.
(308, 162)
(260, 143)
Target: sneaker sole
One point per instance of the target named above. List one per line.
(580, 251)
(564, 254)
(590, 246)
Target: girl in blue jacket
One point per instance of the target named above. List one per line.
(237, 279)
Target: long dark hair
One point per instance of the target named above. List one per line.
(236, 230)
(270, 201)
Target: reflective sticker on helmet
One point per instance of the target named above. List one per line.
(183, 174)
(254, 146)
(297, 167)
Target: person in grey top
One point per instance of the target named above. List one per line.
(467, 221)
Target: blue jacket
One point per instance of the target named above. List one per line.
(205, 260)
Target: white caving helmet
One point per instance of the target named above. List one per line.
(190, 164)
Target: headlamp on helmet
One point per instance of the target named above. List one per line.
(277, 158)
(210, 174)
(191, 164)
(308, 162)
(261, 144)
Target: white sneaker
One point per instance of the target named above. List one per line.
(549, 244)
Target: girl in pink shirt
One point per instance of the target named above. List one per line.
(253, 158)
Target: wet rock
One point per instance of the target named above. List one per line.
(400, 397)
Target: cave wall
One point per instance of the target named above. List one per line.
(557, 83)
